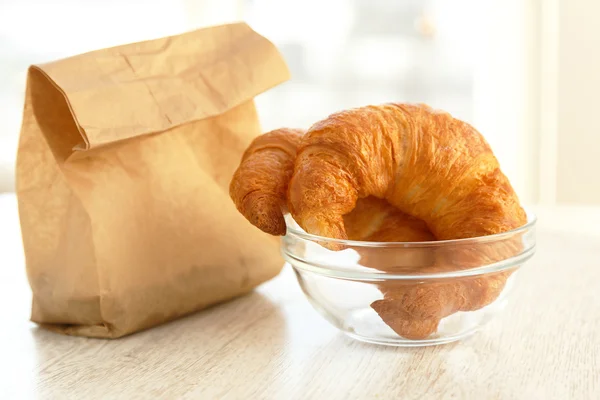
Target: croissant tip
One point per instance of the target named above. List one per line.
(413, 329)
(279, 229)
(265, 213)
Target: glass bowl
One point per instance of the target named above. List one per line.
(408, 293)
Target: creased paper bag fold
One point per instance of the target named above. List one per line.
(123, 165)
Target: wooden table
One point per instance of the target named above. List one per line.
(272, 345)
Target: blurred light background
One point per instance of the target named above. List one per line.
(523, 72)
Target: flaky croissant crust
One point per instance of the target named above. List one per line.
(422, 161)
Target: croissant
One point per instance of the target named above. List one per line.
(426, 164)
(413, 311)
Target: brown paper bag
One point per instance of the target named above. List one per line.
(123, 169)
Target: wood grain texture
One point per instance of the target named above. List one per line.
(272, 345)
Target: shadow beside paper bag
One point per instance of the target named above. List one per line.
(123, 169)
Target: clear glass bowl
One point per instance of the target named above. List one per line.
(413, 293)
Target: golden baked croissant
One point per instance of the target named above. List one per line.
(413, 311)
(426, 164)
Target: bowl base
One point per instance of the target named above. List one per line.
(401, 342)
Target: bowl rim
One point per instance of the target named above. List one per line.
(531, 222)
(359, 274)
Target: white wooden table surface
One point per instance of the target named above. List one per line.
(272, 345)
